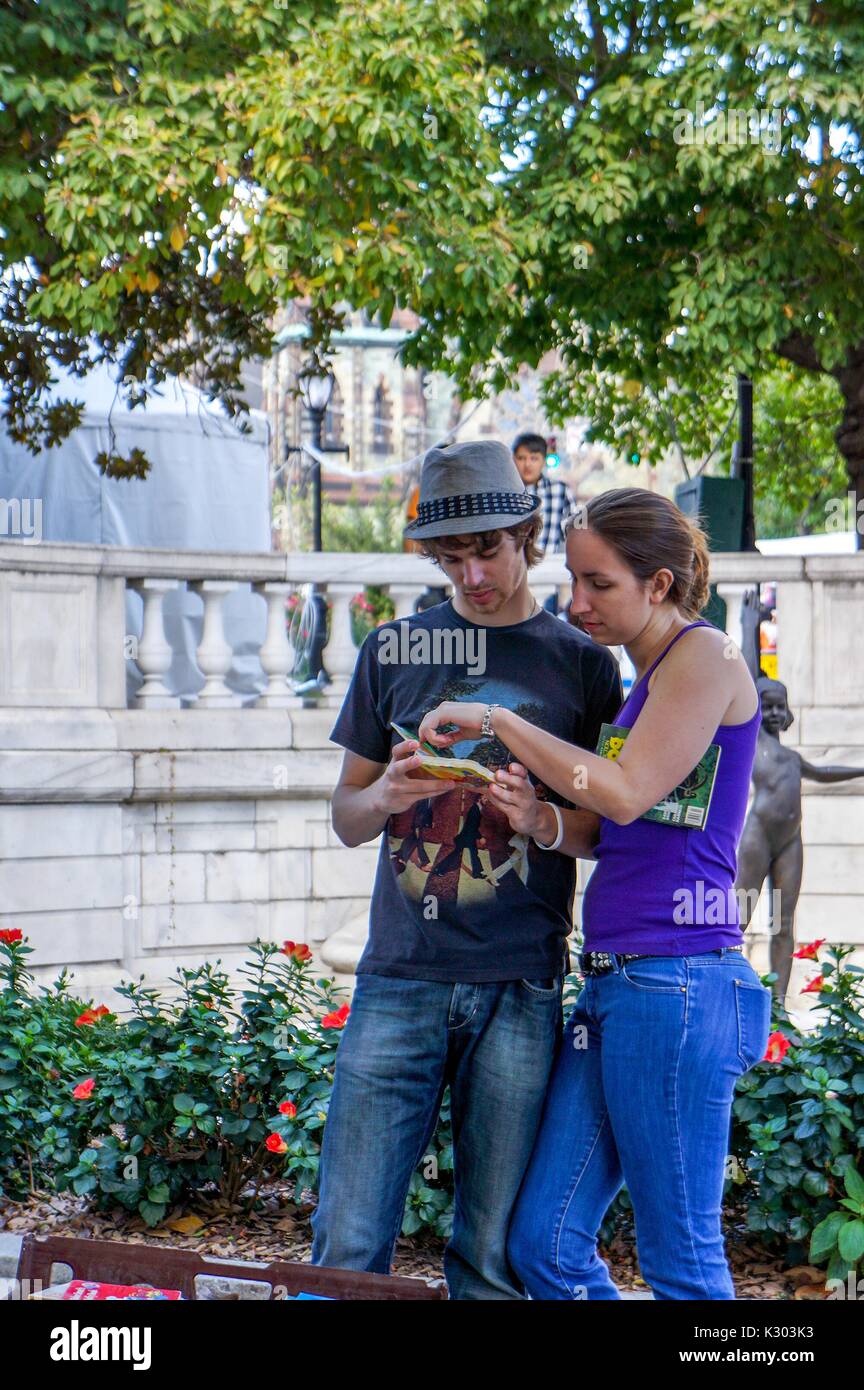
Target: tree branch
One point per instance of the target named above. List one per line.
(800, 349)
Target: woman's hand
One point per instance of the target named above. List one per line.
(513, 794)
(466, 716)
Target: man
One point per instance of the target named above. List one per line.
(556, 500)
(460, 982)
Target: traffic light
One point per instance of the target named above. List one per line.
(635, 457)
(553, 458)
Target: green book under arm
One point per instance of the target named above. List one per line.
(689, 803)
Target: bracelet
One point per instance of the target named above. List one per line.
(486, 730)
(560, 836)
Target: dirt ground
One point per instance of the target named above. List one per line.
(279, 1229)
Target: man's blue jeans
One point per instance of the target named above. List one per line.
(404, 1042)
(641, 1094)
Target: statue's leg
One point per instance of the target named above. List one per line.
(754, 861)
(786, 873)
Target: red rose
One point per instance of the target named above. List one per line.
(778, 1046)
(814, 986)
(809, 951)
(276, 1144)
(10, 934)
(337, 1019)
(83, 1090)
(288, 1108)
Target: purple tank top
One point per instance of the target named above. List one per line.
(662, 889)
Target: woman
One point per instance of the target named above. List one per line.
(671, 1012)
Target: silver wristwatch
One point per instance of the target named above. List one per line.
(486, 730)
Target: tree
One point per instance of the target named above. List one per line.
(666, 195)
(798, 469)
(684, 187)
(172, 172)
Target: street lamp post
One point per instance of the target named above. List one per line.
(316, 388)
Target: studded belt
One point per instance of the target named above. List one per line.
(602, 962)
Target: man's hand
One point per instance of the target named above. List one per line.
(404, 781)
(369, 793)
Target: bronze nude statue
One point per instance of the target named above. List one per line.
(771, 841)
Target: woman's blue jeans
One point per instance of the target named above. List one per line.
(405, 1041)
(641, 1094)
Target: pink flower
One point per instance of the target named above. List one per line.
(84, 1089)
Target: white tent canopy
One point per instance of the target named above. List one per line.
(207, 489)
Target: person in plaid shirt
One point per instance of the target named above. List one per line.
(556, 500)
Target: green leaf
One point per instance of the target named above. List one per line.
(854, 1183)
(824, 1237)
(850, 1241)
(152, 1212)
(185, 1104)
(411, 1222)
(815, 1184)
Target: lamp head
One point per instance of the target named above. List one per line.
(316, 388)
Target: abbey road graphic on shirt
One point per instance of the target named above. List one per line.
(460, 847)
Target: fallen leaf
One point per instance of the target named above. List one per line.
(805, 1274)
(185, 1224)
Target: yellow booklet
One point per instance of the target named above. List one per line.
(443, 764)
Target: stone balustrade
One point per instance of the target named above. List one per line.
(143, 831)
(64, 640)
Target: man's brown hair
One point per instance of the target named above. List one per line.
(525, 535)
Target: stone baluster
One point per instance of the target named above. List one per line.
(340, 654)
(276, 654)
(404, 597)
(154, 654)
(732, 593)
(214, 654)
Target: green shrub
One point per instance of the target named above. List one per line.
(798, 1127)
(182, 1096)
(42, 1056)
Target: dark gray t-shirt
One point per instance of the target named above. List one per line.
(458, 895)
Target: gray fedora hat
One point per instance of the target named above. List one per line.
(474, 486)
